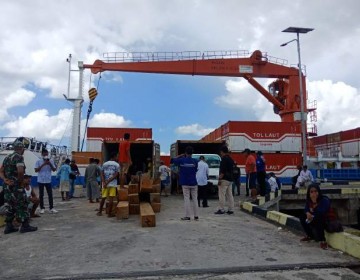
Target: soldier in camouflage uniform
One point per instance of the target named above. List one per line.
(12, 172)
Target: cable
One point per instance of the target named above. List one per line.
(89, 112)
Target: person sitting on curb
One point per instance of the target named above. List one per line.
(313, 221)
(32, 199)
(305, 178)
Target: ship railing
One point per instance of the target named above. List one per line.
(112, 57)
(34, 145)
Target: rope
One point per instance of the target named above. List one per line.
(89, 112)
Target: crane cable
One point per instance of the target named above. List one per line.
(92, 95)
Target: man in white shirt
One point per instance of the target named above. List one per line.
(202, 175)
(272, 182)
(43, 167)
(109, 174)
(305, 178)
(164, 172)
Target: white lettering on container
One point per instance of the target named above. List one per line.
(266, 135)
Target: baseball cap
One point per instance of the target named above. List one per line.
(246, 151)
(18, 145)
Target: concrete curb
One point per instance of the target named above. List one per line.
(324, 191)
(347, 241)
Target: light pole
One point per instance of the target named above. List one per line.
(299, 30)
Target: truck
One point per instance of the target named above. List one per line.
(209, 149)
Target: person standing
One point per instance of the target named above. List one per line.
(43, 167)
(273, 182)
(164, 173)
(261, 172)
(64, 173)
(92, 171)
(250, 169)
(187, 177)
(32, 200)
(74, 173)
(124, 158)
(12, 173)
(225, 182)
(202, 176)
(109, 174)
(236, 179)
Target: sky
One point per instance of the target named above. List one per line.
(37, 37)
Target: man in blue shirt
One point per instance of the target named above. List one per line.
(261, 172)
(188, 167)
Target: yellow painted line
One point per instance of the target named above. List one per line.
(326, 184)
(277, 217)
(345, 242)
(350, 191)
(261, 200)
(272, 196)
(2, 221)
(302, 191)
(247, 206)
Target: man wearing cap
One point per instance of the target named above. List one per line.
(12, 173)
(250, 169)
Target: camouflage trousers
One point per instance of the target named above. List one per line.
(15, 204)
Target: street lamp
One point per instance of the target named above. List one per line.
(299, 30)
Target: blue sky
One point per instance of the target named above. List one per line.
(37, 38)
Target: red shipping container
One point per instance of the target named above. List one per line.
(352, 134)
(166, 160)
(283, 165)
(116, 134)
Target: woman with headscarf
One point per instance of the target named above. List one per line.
(317, 211)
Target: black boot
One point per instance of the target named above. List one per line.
(25, 227)
(9, 228)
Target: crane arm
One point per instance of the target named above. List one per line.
(255, 65)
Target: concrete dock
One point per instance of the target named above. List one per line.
(77, 244)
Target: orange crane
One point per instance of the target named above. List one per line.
(283, 93)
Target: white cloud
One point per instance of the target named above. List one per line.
(41, 125)
(337, 105)
(39, 35)
(20, 97)
(108, 120)
(244, 98)
(193, 129)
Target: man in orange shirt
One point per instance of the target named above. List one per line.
(124, 158)
(250, 169)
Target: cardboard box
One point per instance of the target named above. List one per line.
(133, 188)
(156, 207)
(134, 209)
(134, 198)
(155, 198)
(147, 215)
(122, 210)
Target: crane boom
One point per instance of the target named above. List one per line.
(284, 98)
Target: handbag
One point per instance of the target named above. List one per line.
(332, 226)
